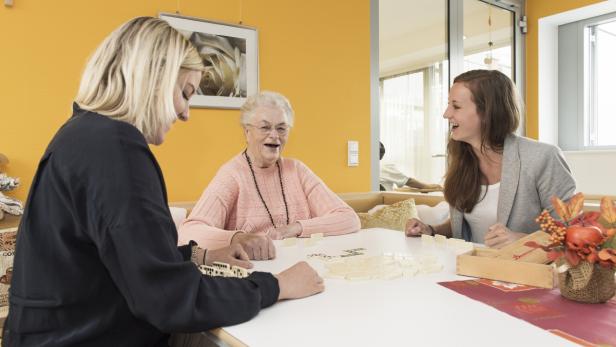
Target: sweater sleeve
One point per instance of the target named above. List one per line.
(137, 243)
(185, 251)
(207, 221)
(332, 216)
(554, 179)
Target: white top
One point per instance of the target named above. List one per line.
(390, 175)
(483, 215)
(413, 311)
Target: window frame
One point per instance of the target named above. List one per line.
(576, 89)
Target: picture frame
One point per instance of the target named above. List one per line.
(230, 55)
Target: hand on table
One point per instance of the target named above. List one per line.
(291, 230)
(415, 227)
(232, 255)
(258, 246)
(299, 281)
(499, 236)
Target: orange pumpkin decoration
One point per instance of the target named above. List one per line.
(579, 237)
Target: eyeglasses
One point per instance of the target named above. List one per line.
(282, 130)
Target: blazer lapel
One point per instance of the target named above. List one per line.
(510, 176)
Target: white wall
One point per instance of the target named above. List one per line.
(594, 171)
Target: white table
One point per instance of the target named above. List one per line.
(405, 311)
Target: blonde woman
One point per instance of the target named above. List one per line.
(258, 195)
(96, 260)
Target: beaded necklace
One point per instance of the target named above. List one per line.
(284, 198)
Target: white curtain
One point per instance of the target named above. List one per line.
(412, 128)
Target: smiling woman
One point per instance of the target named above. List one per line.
(259, 196)
(266, 124)
(496, 182)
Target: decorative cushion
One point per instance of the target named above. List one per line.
(376, 208)
(390, 217)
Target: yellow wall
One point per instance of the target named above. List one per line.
(536, 9)
(315, 52)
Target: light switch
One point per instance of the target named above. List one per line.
(353, 153)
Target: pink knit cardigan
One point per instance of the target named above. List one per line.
(230, 203)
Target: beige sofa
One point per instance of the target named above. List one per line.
(363, 202)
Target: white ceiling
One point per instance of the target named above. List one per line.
(413, 33)
(397, 17)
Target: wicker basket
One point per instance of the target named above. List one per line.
(587, 283)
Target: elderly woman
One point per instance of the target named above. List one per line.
(97, 261)
(258, 196)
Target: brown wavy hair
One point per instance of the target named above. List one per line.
(498, 107)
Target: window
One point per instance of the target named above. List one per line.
(600, 74)
(414, 76)
(586, 90)
(412, 128)
(488, 37)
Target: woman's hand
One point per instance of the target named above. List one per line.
(258, 246)
(499, 236)
(299, 281)
(232, 255)
(291, 230)
(415, 227)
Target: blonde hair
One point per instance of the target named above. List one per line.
(267, 99)
(132, 75)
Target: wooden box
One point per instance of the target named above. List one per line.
(515, 263)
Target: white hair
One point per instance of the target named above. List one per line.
(132, 74)
(266, 99)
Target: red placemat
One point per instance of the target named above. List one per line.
(585, 324)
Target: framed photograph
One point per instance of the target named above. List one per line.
(231, 59)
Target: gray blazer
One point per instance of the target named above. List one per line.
(532, 173)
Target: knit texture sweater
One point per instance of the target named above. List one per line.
(231, 203)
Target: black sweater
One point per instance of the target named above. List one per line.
(96, 260)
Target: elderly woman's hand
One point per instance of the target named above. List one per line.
(258, 246)
(291, 230)
(499, 236)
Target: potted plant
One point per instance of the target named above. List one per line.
(583, 247)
